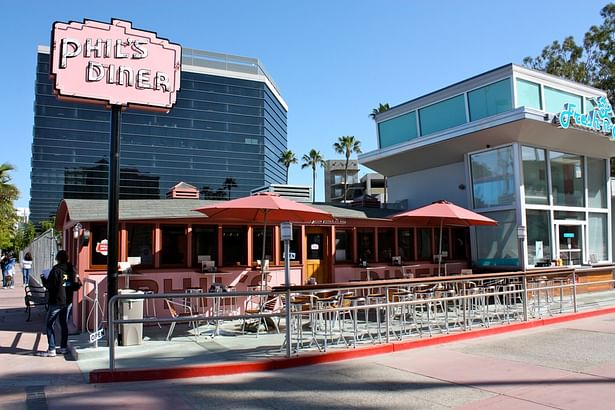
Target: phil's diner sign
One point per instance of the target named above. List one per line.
(114, 64)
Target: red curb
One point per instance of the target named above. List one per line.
(131, 375)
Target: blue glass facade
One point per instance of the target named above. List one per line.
(221, 127)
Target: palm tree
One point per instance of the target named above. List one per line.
(8, 191)
(312, 160)
(229, 183)
(346, 145)
(381, 108)
(287, 158)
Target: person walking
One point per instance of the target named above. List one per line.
(60, 283)
(26, 267)
(4, 261)
(10, 271)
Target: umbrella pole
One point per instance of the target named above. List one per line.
(263, 253)
(440, 250)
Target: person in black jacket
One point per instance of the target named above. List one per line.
(60, 284)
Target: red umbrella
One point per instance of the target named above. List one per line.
(443, 213)
(264, 208)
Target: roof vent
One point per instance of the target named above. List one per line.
(183, 191)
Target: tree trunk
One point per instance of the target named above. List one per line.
(345, 179)
(314, 185)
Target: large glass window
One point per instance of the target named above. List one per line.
(535, 176)
(596, 183)
(386, 238)
(204, 243)
(490, 100)
(398, 129)
(555, 100)
(568, 184)
(140, 242)
(366, 244)
(442, 115)
(493, 179)
(405, 242)
(528, 94)
(538, 236)
(234, 246)
(423, 238)
(597, 236)
(257, 243)
(173, 245)
(497, 245)
(343, 245)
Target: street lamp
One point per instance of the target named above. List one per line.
(77, 230)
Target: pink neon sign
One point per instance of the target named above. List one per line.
(113, 64)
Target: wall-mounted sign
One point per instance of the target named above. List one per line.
(102, 247)
(113, 64)
(598, 119)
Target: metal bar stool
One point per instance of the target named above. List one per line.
(149, 304)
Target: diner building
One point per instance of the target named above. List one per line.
(527, 149)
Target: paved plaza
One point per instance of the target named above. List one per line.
(569, 366)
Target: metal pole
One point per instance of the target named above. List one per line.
(574, 290)
(287, 287)
(95, 304)
(111, 334)
(113, 207)
(525, 301)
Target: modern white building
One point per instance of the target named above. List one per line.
(525, 148)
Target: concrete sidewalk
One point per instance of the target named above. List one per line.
(569, 365)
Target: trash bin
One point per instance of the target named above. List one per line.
(131, 334)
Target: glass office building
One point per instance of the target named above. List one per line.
(499, 143)
(228, 127)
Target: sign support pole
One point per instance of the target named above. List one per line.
(113, 204)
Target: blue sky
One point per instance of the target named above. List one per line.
(333, 60)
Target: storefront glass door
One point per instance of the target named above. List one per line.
(570, 242)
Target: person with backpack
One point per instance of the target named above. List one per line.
(60, 283)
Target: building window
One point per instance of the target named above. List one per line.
(596, 183)
(423, 237)
(405, 242)
(598, 240)
(386, 239)
(493, 179)
(398, 129)
(568, 184)
(343, 246)
(140, 243)
(461, 237)
(173, 245)
(366, 244)
(535, 176)
(204, 243)
(98, 246)
(497, 245)
(445, 245)
(538, 236)
(556, 99)
(490, 100)
(528, 94)
(234, 246)
(295, 247)
(257, 243)
(442, 115)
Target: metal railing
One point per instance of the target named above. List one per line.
(402, 307)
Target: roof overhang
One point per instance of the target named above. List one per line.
(523, 125)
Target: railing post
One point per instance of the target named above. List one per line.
(84, 308)
(111, 336)
(387, 311)
(574, 290)
(525, 295)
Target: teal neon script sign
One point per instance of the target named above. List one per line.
(598, 119)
